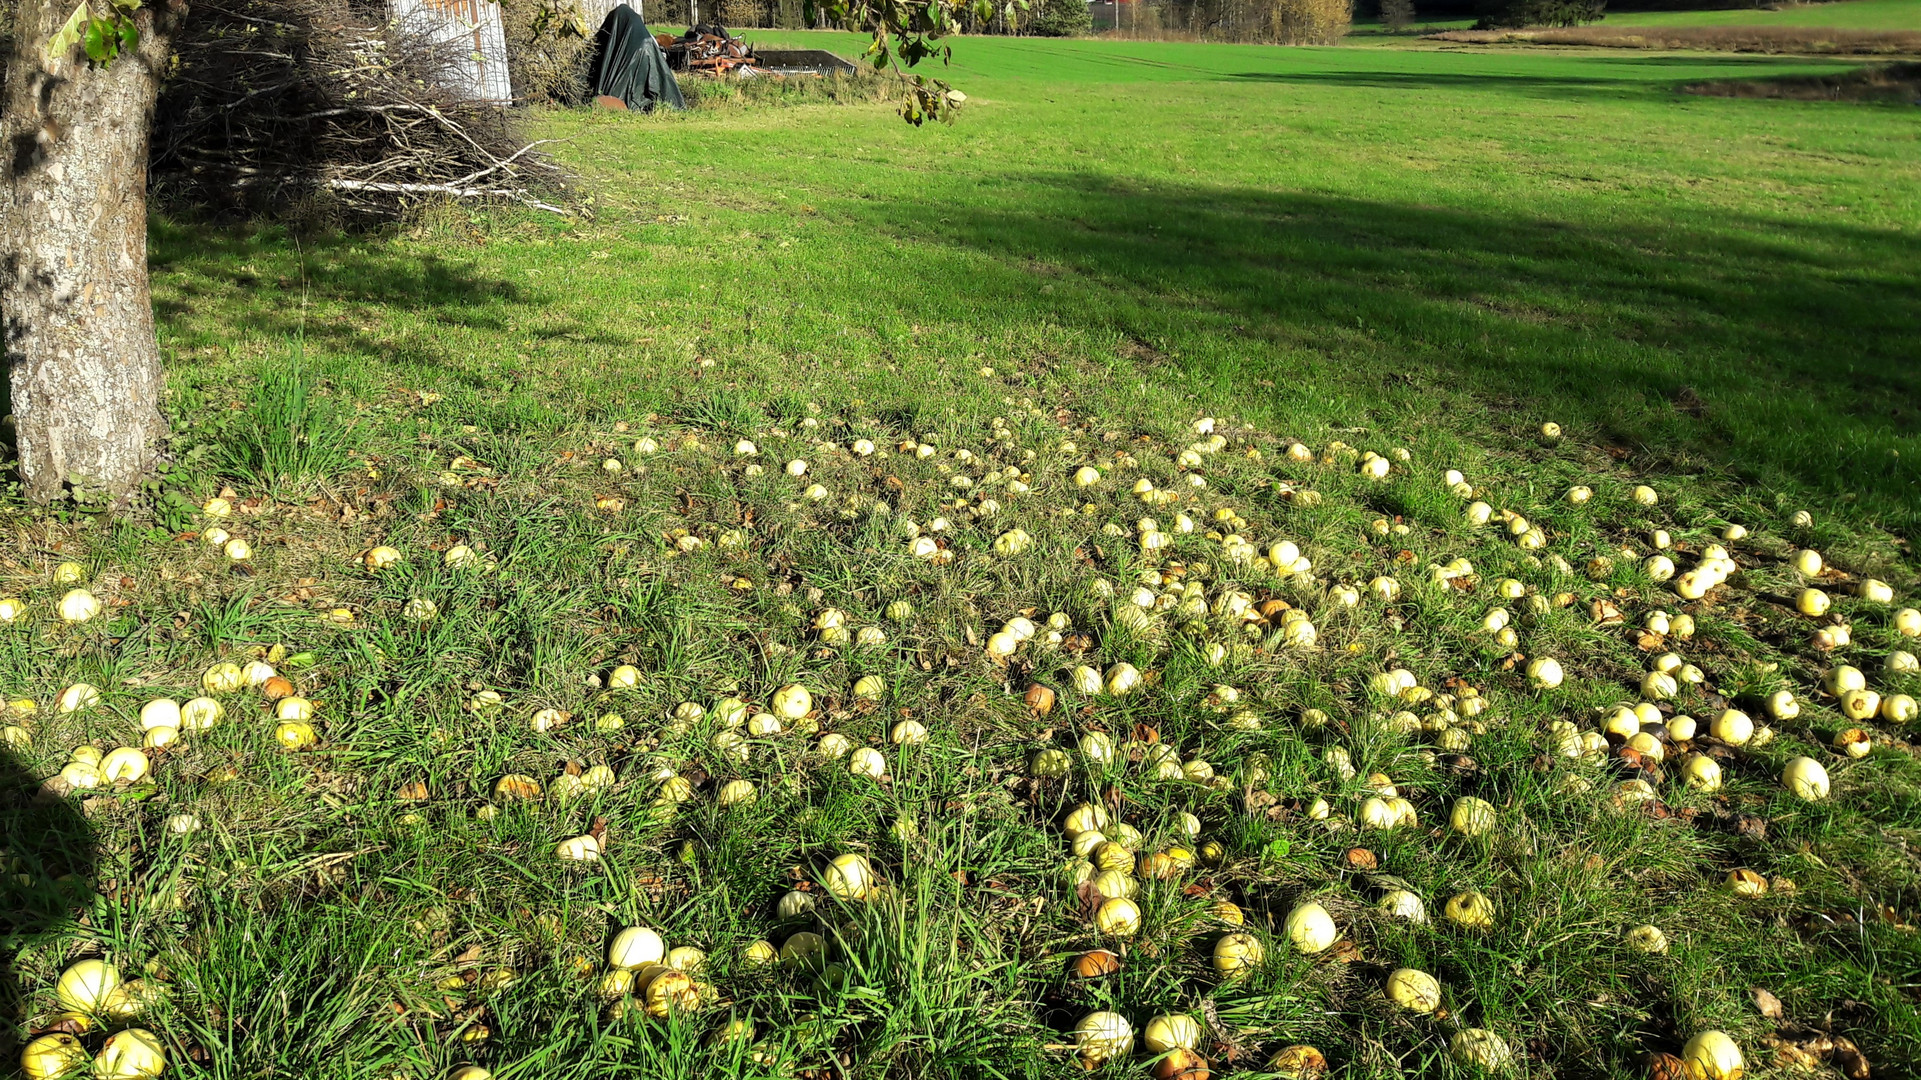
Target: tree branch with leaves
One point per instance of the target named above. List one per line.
(906, 32)
(101, 34)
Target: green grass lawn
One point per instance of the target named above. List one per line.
(1384, 249)
(1842, 15)
(1408, 235)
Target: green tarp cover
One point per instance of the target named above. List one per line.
(630, 66)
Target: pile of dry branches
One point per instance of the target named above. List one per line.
(549, 50)
(328, 108)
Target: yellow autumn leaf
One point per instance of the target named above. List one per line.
(61, 44)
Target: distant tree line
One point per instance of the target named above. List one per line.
(1505, 13)
(1398, 15)
(1293, 21)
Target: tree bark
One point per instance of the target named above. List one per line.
(76, 318)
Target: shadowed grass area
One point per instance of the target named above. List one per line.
(1890, 83)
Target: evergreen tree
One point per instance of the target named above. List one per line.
(1497, 14)
(1062, 18)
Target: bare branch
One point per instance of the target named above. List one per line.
(274, 100)
(458, 191)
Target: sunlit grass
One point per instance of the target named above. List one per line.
(1384, 247)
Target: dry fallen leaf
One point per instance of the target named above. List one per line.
(1666, 1067)
(1769, 1005)
(1790, 1056)
(1850, 1059)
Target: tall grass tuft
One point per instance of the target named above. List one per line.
(293, 435)
(727, 409)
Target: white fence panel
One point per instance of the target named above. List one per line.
(594, 12)
(478, 68)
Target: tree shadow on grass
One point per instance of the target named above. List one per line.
(365, 307)
(1609, 76)
(1797, 337)
(1743, 61)
(357, 302)
(1437, 80)
(227, 283)
(46, 882)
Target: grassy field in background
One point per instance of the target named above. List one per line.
(1398, 235)
(1841, 14)
(1844, 15)
(1417, 252)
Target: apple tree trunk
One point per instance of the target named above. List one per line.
(76, 320)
